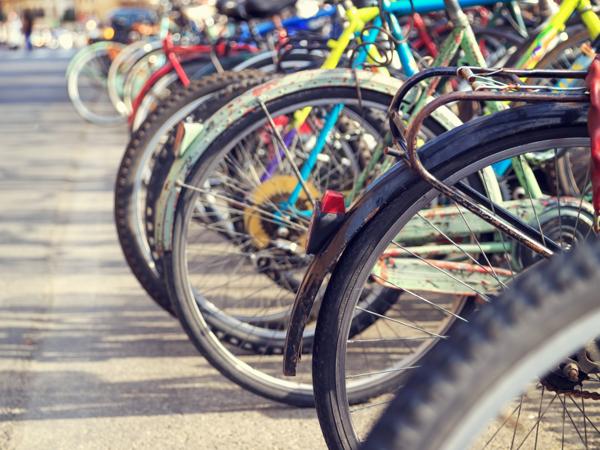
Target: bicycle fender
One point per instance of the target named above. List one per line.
(246, 104)
(378, 194)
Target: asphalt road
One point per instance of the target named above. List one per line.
(86, 359)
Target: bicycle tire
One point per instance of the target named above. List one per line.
(198, 322)
(75, 70)
(131, 236)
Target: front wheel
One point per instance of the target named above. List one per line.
(87, 83)
(238, 243)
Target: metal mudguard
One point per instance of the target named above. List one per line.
(377, 195)
(235, 110)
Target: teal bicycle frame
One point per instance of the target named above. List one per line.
(391, 11)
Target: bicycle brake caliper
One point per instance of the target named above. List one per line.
(593, 83)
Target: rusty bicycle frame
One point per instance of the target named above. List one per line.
(405, 143)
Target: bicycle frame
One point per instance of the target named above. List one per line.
(388, 188)
(365, 208)
(539, 47)
(245, 41)
(357, 21)
(557, 24)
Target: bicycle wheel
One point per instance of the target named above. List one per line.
(149, 149)
(546, 321)
(119, 69)
(237, 259)
(87, 84)
(441, 260)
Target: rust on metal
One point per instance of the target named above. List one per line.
(409, 144)
(453, 265)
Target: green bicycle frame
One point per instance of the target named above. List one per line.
(546, 38)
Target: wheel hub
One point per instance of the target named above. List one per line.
(266, 221)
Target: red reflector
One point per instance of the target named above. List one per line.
(333, 203)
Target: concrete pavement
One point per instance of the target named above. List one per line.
(86, 359)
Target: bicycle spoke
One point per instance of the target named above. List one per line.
(399, 322)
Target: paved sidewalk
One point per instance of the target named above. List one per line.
(86, 359)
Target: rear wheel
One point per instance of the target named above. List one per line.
(442, 261)
(150, 150)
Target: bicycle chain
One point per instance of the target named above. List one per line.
(586, 395)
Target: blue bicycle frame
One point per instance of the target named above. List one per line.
(291, 24)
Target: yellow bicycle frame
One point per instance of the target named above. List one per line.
(358, 18)
(556, 25)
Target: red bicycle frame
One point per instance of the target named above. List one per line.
(176, 55)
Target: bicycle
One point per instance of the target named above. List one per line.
(328, 249)
(160, 81)
(440, 254)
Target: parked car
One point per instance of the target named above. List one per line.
(127, 22)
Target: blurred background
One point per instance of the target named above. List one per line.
(68, 24)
